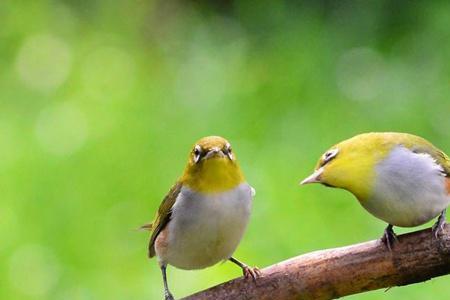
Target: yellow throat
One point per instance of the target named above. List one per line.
(214, 172)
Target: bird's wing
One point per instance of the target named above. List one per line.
(444, 161)
(439, 156)
(163, 216)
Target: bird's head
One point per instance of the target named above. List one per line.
(209, 149)
(212, 166)
(351, 164)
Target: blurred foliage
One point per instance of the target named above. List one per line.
(100, 102)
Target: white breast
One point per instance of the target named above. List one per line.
(205, 229)
(409, 189)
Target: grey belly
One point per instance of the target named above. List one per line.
(207, 229)
(409, 189)
(407, 213)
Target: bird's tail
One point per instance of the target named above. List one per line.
(147, 227)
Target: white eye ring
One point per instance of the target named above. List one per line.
(329, 155)
(230, 155)
(229, 151)
(197, 153)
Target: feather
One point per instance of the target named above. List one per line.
(147, 227)
(163, 216)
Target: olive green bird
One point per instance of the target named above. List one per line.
(399, 178)
(204, 216)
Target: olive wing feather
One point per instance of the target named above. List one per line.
(438, 155)
(163, 216)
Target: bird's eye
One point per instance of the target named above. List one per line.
(197, 153)
(228, 151)
(329, 155)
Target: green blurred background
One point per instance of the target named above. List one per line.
(100, 102)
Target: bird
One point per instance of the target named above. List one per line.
(202, 219)
(399, 178)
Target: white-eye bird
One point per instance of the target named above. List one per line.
(203, 217)
(399, 178)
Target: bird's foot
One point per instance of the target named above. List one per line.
(168, 296)
(252, 272)
(389, 237)
(438, 227)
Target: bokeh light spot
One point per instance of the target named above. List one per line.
(8, 226)
(108, 73)
(8, 145)
(212, 70)
(76, 293)
(61, 129)
(43, 62)
(33, 270)
(360, 74)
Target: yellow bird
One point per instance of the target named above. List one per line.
(399, 178)
(203, 217)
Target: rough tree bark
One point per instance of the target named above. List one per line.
(334, 273)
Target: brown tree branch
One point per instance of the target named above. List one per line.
(338, 272)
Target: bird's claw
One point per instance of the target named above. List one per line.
(252, 272)
(168, 296)
(389, 238)
(438, 228)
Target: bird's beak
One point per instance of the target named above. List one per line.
(214, 152)
(313, 178)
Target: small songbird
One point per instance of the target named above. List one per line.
(399, 178)
(203, 217)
